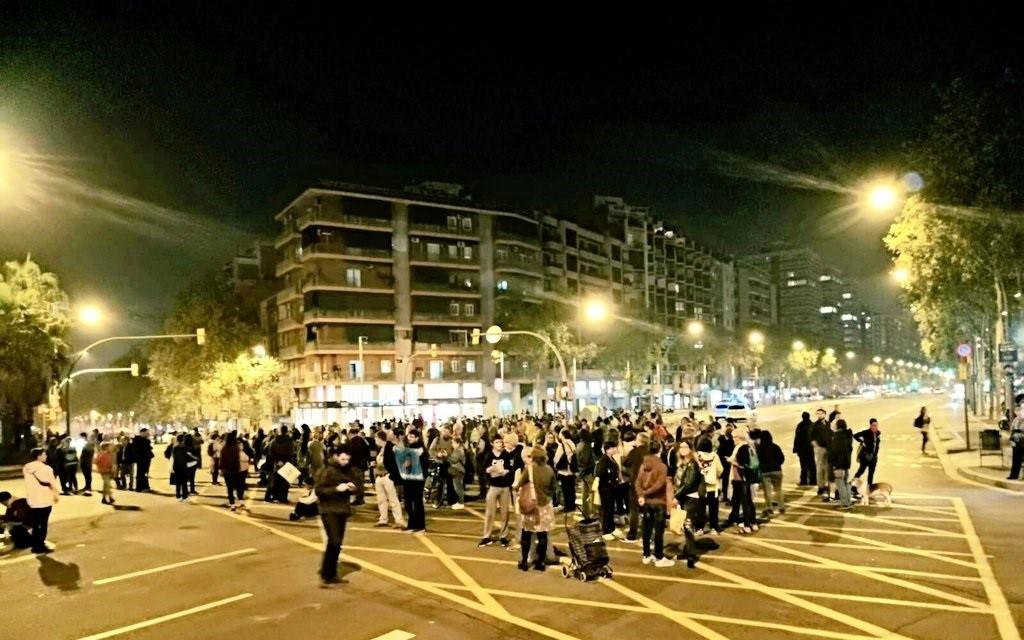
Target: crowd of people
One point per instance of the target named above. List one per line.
(630, 472)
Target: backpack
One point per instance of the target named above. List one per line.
(707, 471)
(752, 472)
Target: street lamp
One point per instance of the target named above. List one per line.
(882, 195)
(876, 359)
(90, 315)
(259, 351)
(755, 338)
(830, 351)
(900, 275)
(850, 355)
(695, 328)
(888, 361)
(595, 311)
(798, 345)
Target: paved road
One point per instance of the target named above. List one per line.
(920, 569)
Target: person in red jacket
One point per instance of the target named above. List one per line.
(104, 464)
(652, 490)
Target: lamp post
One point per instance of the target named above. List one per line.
(494, 334)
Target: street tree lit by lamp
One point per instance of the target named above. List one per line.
(798, 345)
(695, 328)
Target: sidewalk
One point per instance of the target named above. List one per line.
(989, 469)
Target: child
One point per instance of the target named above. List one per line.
(104, 464)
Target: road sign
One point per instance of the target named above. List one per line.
(964, 350)
(1007, 353)
(493, 334)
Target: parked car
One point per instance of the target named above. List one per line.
(735, 410)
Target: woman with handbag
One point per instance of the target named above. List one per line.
(687, 497)
(536, 486)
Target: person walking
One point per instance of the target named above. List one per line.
(410, 458)
(538, 480)
(771, 459)
(839, 453)
(687, 498)
(105, 467)
(821, 437)
(870, 440)
(652, 491)
(335, 489)
(385, 473)
(233, 462)
(41, 494)
(804, 450)
(923, 423)
(85, 461)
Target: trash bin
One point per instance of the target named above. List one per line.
(991, 445)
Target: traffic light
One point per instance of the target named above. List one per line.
(475, 337)
(135, 369)
(562, 391)
(433, 350)
(496, 356)
(200, 336)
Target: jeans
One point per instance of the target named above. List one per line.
(236, 485)
(387, 497)
(181, 484)
(334, 532)
(823, 470)
(690, 507)
(653, 518)
(40, 527)
(459, 484)
(499, 500)
(808, 470)
(607, 510)
(708, 510)
(126, 476)
(870, 466)
(568, 485)
(924, 439)
(588, 496)
(726, 474)
(843, 486)
(771, 481)
(108, 486)
(742, 504)
(414, 504)
(1016, 458)
(87, 473)
(634, 515)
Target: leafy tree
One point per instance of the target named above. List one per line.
(245, 387)
(33, 324)
(802, 366)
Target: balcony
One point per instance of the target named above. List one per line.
(338, 376)
(441, 318)
(290, 351)
(285, 265)
(442, 230)
(347, 345)
(376, 316)
(518, 265)
(283, 237)
(343, 220)
(445, 259)
(446, 289)
(288, 324)
(343, 251)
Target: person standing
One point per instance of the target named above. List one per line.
(410, 458)
(804, 450)
(182, 457)
(105, 467)
(442, 490)
(335, 489)
(233, 462)
(281, 452)
(726, 447)
(608, 479)
(687, 497)
(631, 468)
(870, 440)
(41, 494)
(125, 464)
(85, 461)
(839, 452)
(142, 452)
(538, 478)
(457, 471)
(771, 459)
(317, 453)
(711, 479)
(213, 452)
(1016, 450)
(585, 467)
(69, 462)
(923, 422)
(386, 471)
(499, 467)
(359, 450)
(744, 469)
(652, 489)
(565, 470)
(821, 437)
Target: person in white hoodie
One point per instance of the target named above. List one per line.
(711, 470)
(41, 493)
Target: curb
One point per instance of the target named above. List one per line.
(1010, 485)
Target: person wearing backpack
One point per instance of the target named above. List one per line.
(922, 422)
(711, 477)
(771, 459)
(745, 472)
(687, 496)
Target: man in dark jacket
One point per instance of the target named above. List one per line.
(839, 454)
(142, 452)
(631, 465)
(821, 436)
(870, 440)
(804, 450)
(85, 461)
(770, 461)
(359, 448)
(335, 488)
(585, 462)
(609, 478)
(280, 452)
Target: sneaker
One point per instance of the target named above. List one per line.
(662, 563)
(754, 527)
(630, 540)
(505, 542)
(714, 532)
(608, 536)
(648, 559)
(381, 524)
(87, 493)
(458, 506)
(234, 507)
(691, 562)
(484, 542)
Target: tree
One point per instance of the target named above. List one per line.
(33, 324)
(177, 367)
(802, 365)
(245, 387)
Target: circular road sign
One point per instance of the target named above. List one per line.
(964, 350)
(493, 334)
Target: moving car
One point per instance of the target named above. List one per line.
(736, 410)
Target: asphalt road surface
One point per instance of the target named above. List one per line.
(943, 562)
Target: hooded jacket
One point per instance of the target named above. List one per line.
(840, 449)
(652, 481)
(769, 454)
(802, 437)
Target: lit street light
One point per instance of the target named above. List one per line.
(755, 338)
(830, 351)
(900, 275)
(259, 351)
(883, 195)
(798, 345)
(90, 315)
(595, 311)
(888, 361)
(850, 355)
(695, 328)
(876, 359)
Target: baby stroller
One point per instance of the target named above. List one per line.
(305, 507)
(588, 551)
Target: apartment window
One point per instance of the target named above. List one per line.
(453, 252)
(467, 253)
(570, 263)
(467, 224)
(501, 255)
(469, 308)
(355, 369)
(470, 366)
(354, 277)
(456, 366)
(453, 223)
(680, 306)
(433, 250)
(502, 285)
(453, 308)
(457, 336)
(385, 367)
(436, 369)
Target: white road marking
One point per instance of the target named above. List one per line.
(168, 567)
(996, 599)
(397, 634)
(166, 618)
(4, 563)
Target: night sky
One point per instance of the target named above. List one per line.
(224, 112)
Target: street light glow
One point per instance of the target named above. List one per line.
(90, 315)
(595, 310)
(850, 355)
(882, 195)
(259, 351)
(888, 361)
(900, 275)
(756, 338)
(695, 328)
(830, 351)
(798, 345)
(876, 359)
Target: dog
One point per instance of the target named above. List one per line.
(878, 493)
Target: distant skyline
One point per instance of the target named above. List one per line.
(227, 113)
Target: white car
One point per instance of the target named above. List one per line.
(736, 410)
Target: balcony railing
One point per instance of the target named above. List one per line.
(432, 316)
(289, 351)
(346, 314)
(444, 258)
(515, 263)
(446, 287)
(440, 228)
(347, 344)
(337, 248)
(343, 218)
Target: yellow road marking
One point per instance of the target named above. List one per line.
(888, 532)
(892, 601)
(654, 606)
(25, 558)
(166, 618)
(460, 574)
(1000, 608)
(168, 567)
(938, 593)
(815, 565)
(883, 519)
(817, 633)
(866, 547)
(821, 513)
(397, 634)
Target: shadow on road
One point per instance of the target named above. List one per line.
(54, 573)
